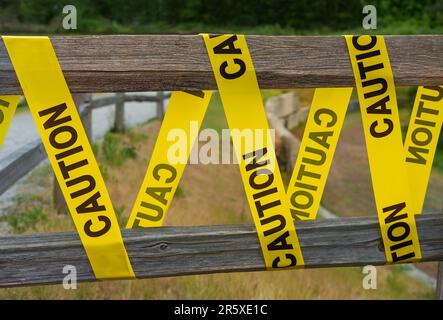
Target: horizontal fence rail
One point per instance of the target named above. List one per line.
(106, 101)
(177, 62)
(173, 251)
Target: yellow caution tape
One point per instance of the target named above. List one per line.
(376, 92)
(243, 105)
(421, 141)
(77, 172)
(70, 154)
(182, 121)
(323, 126)
(8, 105)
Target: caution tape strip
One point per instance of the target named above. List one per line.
(381, 123)
(421, 141)
(237, 83)
(297, 188)
(70, 154)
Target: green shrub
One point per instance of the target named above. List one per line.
(116, 151)
(27, 219)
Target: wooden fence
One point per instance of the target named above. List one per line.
(141, 63)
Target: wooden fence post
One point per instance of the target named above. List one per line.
(439, 291)
(87, 122)
(58, 198)
(160, 105)
(119, 121)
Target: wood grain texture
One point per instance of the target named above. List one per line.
(126, 63)
(173, 251)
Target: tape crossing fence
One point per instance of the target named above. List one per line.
(400, 172)
(376, 92)
(70, 154)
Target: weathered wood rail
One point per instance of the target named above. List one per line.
(173, 251)
(178, 62)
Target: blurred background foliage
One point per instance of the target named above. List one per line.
(248, 16)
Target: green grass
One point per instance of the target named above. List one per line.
(438, 161)
(136, 137)
(95, 148)
(116, 151)
(22, 105)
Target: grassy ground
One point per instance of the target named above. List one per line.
(194, 205)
